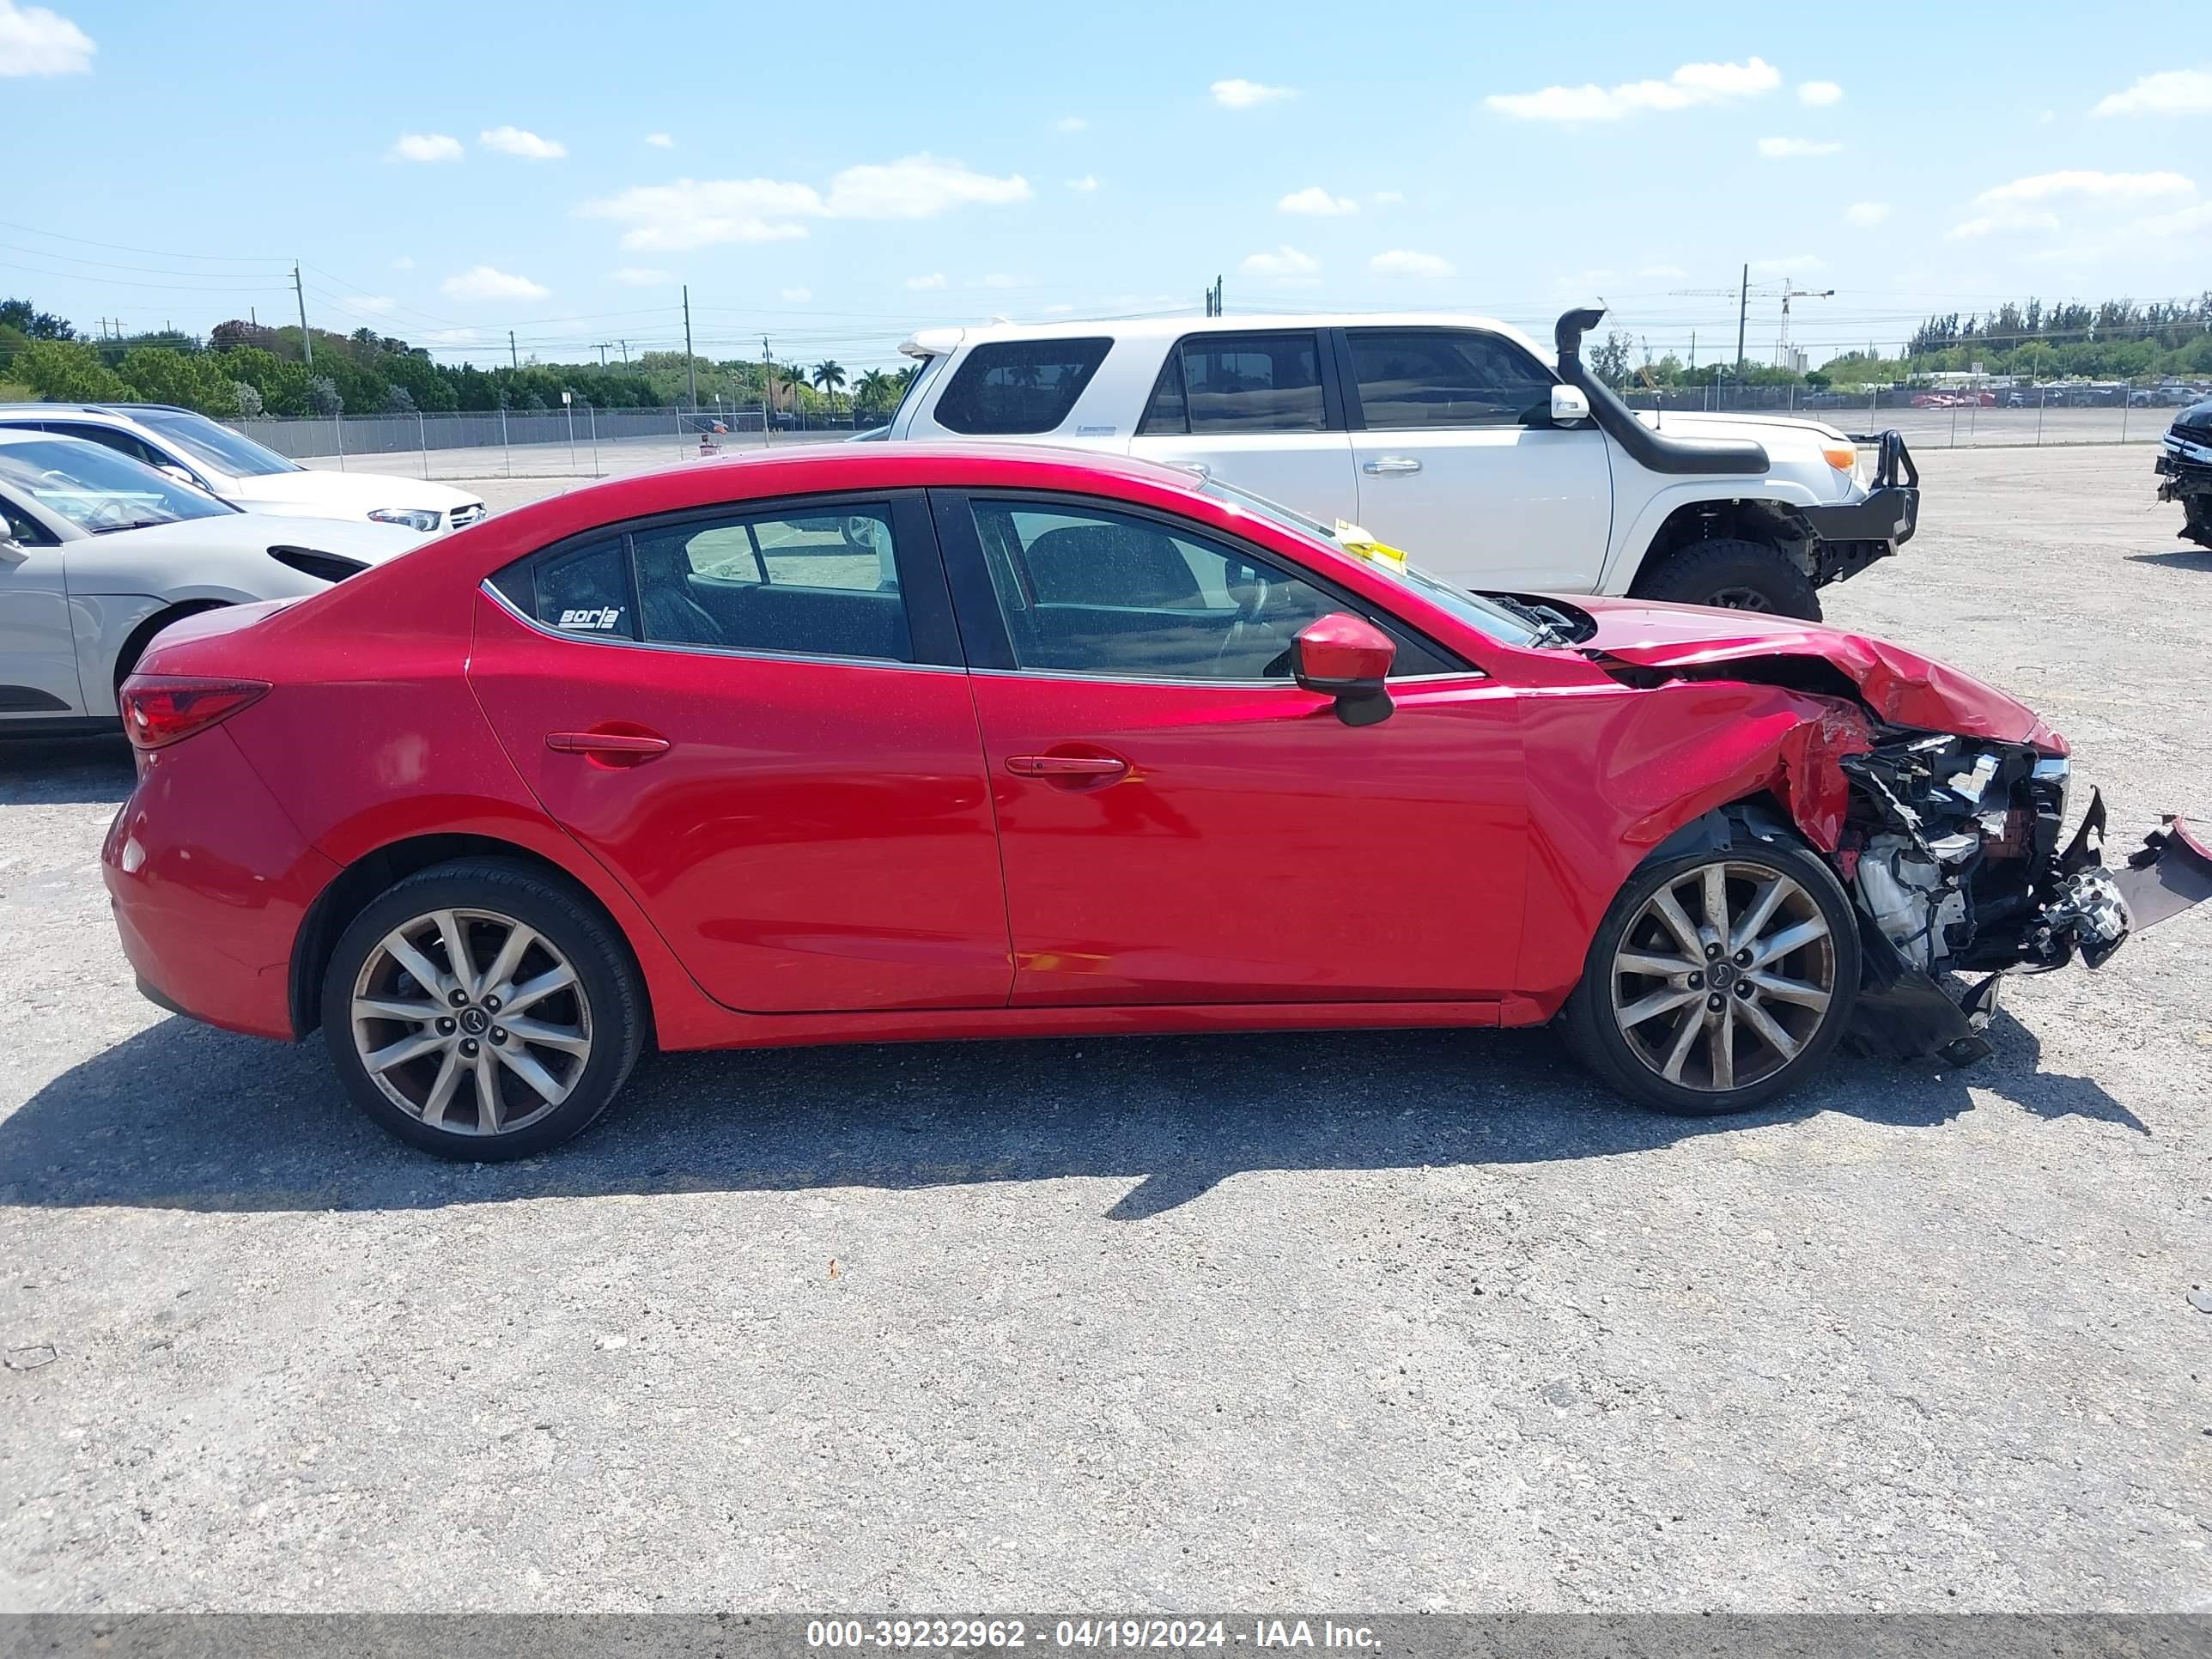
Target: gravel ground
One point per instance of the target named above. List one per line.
(1387, 1322)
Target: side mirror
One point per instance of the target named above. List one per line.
(176, 474)
(1570, 405)
(1347, 658)
(12, 551)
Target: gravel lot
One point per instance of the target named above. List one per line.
(1382, 1322)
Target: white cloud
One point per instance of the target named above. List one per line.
(36, 41)
(424, 147)
(998, 279)
(1286, 262)
(450, 337)
(1662, 271)
(1866, 215)
(660, 140)
(644, 277)
(1691, 85)
(1797, 265)
(1399, 262)
(1248, 94)
(798, 295)
(514, 141)
(2079, 181)
(1983, 224)
(1071, 123)
(376, 305)
(484, 282)
(1778, 150)
(404, 262)
(1318, 202)
(935, 279)
(1818, 94)
(694, 213)
(1389, 198)
(1086, 183)
(2170, 92)
(2182, 222)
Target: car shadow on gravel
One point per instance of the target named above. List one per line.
(182, 1116)
(64, 771)
(2181, 559)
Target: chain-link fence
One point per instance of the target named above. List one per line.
(574, 441)
(2007, 416)
(581, 441)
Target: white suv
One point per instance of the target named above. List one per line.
(231, 467)
(1451, 436)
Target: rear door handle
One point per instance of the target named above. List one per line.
(1067, 766)
(1385, 463)
(609, 748)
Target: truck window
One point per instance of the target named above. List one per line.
(1432, 377)
(1239, 383)
(1018, 385)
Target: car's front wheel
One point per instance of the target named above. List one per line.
(1718, 979)
(482, 1011)
(1732, 574)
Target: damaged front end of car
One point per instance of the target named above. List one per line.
(1954, 852)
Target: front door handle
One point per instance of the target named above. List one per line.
(609, 748)
(1085, 768)
(1382, 464)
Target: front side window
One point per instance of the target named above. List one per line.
(1012, 386)
(114, 438)
(1414, 378)
(21, 527)
(1087, 591)
(1240, 383)
(98, 489)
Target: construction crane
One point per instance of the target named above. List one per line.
(1744, 293)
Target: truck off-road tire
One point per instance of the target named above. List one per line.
(1718, 979)
(2197, 526)
(1734, 575)
(482, 1011)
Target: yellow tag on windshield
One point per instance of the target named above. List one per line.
(1356, 541)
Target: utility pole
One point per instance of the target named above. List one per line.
(602, 348)
(690, 363)
(768, 388)
(306, 340)
(1742, 311)
(625, 350)
(513, 357)
(1213, 298)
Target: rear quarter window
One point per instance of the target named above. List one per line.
(1012, 387)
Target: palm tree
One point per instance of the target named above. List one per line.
(873, 391)
(829, 380)
(793, 377)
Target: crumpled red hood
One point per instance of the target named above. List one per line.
(1902, 687)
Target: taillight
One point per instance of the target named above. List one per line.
(159, 709)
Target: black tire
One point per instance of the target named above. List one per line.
(605, 1005)
(1595, 1035)
(2196, 524)
(1734, 575)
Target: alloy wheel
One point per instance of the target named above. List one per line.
(1740, 598)
(1724, 977)
(471, 1021)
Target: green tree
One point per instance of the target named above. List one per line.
(69, 372)
(197, 381)
(829, 378)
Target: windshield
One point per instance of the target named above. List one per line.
(922, 373)
(1471, 608)
(214, 446)
(97, 489)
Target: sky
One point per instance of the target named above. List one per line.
(834, 176)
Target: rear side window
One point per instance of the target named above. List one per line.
(580, 590)
(813, 585)
(1018, 385)
(1411, 377)
(1240, 383)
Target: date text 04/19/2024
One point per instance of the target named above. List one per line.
(1084, 1634)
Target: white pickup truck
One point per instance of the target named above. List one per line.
(1452, 437)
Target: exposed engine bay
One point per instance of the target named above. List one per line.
(1951, 851)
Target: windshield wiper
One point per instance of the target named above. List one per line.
(1546, 629)
(134, 524)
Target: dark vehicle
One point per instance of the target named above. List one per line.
(2185, 470)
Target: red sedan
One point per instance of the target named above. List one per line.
(892, 742)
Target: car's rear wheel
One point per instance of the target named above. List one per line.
(482, 1011)
(1718, 979)
(1732, 574)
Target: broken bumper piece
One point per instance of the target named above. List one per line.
(1904, 1013)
